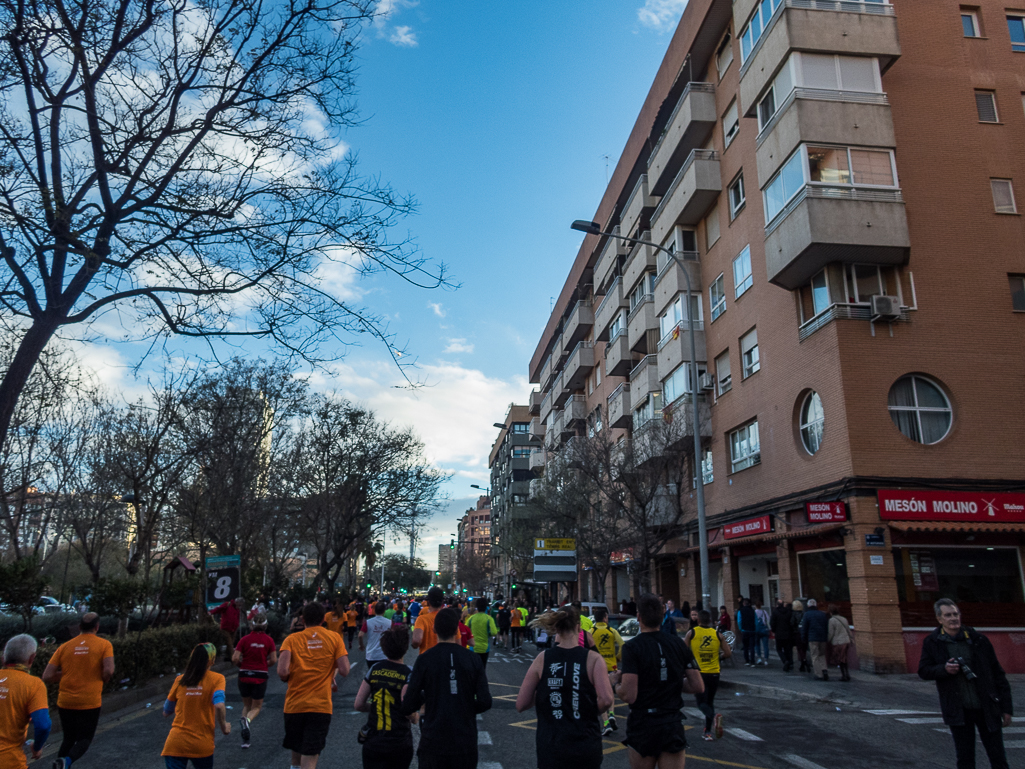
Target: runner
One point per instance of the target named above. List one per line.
(483, 628)
(334, 620)
(253, 655)
(423, 632)
(387, 737)
(705, 643)
(515, 628)
(609, 644)
(196, 699)
(82, 666)
(351, 617)
(371, 632)
(657, 668)
(309, 661)
(414, 610)
(24, 702)
(503, 619)
(567, 702)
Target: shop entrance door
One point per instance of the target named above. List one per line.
(773, 590)
(757, 594)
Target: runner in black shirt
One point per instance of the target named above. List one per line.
(503, 618)
(657, 669)
(450, 681)
(569, 686)
(387, 738)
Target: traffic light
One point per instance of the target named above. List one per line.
(369, 585)
(437, 574)
(514, 587)
(451, 544)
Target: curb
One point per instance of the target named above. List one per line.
(778, 692)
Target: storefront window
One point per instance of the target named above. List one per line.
(824, 577)
(985, 581)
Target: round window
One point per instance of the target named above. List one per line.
(813, 422)
(920, 409)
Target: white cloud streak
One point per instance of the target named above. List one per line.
(437, 309)
(662, 15)
(400, 34)
(456, 346)
(404, 36)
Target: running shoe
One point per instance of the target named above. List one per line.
(612, 722)
(59, 763)
(707, 737)
(245, 745)
(718, 726)
(606, 730)
(247, 733)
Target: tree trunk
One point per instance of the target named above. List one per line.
(16, 377)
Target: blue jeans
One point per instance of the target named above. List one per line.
(763, 646)
(176, 762)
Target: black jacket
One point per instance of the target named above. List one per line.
(779, 622)
(994, 690)
(815, 626)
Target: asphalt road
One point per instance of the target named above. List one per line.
(761, 733)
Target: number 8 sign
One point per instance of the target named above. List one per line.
(222, 579)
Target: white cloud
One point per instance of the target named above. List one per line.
(437, 308)
(456, 346)
(404, 36)
(662, 15)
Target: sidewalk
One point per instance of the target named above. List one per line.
(865, 691)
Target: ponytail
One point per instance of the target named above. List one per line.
(564, 620)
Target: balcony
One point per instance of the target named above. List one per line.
(693, 190)
(576, 410)
(641, 259)
(618, 358)
(546, 406)
(546, 372)
(537, 461)
(578, 366)
(672, 429)
(644, 378)
(535, 402)
(619, 406)
(615, 301)
(579, 323)
(818, 26)
(558, 352)
(553, 436)
(835, 224)
(638, 207)
(640, 320)
(537, 427)
(605, 267)
(559, 392)
(671, 281)
(673, 352)
(688, 128)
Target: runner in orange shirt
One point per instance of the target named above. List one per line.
(196, 699)
(351, 615)
(22, 699)
(82, 666)
(424, 636)
(309, 661)
(335, 619)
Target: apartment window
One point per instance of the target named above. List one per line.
(646, 287)
(863, 282)
(1016, 26)
(724, 57)
(676, 313)
(712, 226)
(1017, 292)
(678, 383)
(521, 428)
(707, 476)
(521, 452)
(833, 72)
(819, 293)
(742, 278)
(920, 409)
(618, 325)
(970, 22)
(758, 24)
(986, 105)
(1003, 196)
(749, 353)
(744, 448)
(723, 380)
(737, 197)
(730, 124)
(597, 374)
(717, 296)
(813, 422)
(650, 409)
(784, 186)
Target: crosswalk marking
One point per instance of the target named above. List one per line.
(903, 712)
(803, 763)
(936, 720)
(1014, 744)
(1014, 730)
(489, 765)
(483, 738)
(743, 735)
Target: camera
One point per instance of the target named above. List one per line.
(968, 672)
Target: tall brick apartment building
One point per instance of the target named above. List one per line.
(841, 181)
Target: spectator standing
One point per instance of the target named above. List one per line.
(24, 703)
(449, 682)
(196, 701)
(254, 655)
(796, 618)
(973, 688)
(81, 667)
(780, 624)
(483, 627)
(705, 644)
(724, 622)
(371, 632)
(229, 614)
(747, 626)
(671, 618)
(762, 633)
(815, 633)
(424, 636)
(388, 739)
(839, 640)
(309, 661)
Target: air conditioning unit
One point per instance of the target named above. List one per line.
(707, 381)
(885, 307)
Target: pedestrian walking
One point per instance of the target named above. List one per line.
(707, 645)
(747, 626)
(973, 688)
(23, 703)
(254, 654)
(196, 701)
(80, 667)
(839, 640)
(424, 636)
(449, 682)
(782, 629)
(609, 644)
(796, 618)
(815, 633)
(371, 632)
(387, 737)
(483, 628)
(309, 661)
(762, 634)
(569, 686)
(657, 669)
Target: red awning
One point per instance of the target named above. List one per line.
(980, 527)
(773, 536)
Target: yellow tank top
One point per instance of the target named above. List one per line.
(705, 646)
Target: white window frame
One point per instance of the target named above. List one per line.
(723, 379)
(618, 325)
(717, 296)
(807, 427)
(742, 281)
(993, 182)
(674, 316)
(825, 284)
(800, 80)
(725, 45)
(707, 469)
(730, 124)
(1020, 18)
(737, 207)
(993, 102)
(973, 16)
(918, 409)
(850, 283)
(750, 358)
(745, 448)
(679, 382)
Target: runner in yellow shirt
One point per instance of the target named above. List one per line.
(706, 643)
(609, 644)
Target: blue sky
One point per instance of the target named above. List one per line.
(498, 118)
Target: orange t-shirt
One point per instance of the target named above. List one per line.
(192, 733)
(425, 622)
(350, 618)
(334, 621)
(21, 695)
(311, 669)
(81, 664)
(516, 618)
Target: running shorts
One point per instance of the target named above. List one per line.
(252, 690)
(651, 738)
(306, 733)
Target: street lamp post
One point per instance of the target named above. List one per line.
(593, 228)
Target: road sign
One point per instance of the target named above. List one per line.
(554, 544)
(555, 560)
(513, 573)
(223, 581)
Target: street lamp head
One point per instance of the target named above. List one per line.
(499, 425)
(591, 228)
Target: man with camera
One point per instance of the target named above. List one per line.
(974, 692)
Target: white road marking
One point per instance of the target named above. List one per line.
(804, 763)
(743, 735)
(489, 765)
(480, 717)
(1014, 730)
(921, 720)
(1014, 744)
(694, 713)
(483, 738)
(903, 712)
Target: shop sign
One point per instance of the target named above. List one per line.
(875, 540)
(826, 512)
(760, 525)
(951, 506)
(923, 572)
(875, 560)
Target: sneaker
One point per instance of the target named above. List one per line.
(247, 733)
(245, 745)
(612, 722)
(707, 737)
(606, 730)
(59, 763)
(718, 726)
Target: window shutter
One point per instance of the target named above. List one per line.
(711, 228)
(819, 71)
(749, 341)
(986, 104)
(857, 73)
(1003, 196)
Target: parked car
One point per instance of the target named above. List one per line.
(49, 605)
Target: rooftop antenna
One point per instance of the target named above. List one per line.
(606, 168)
